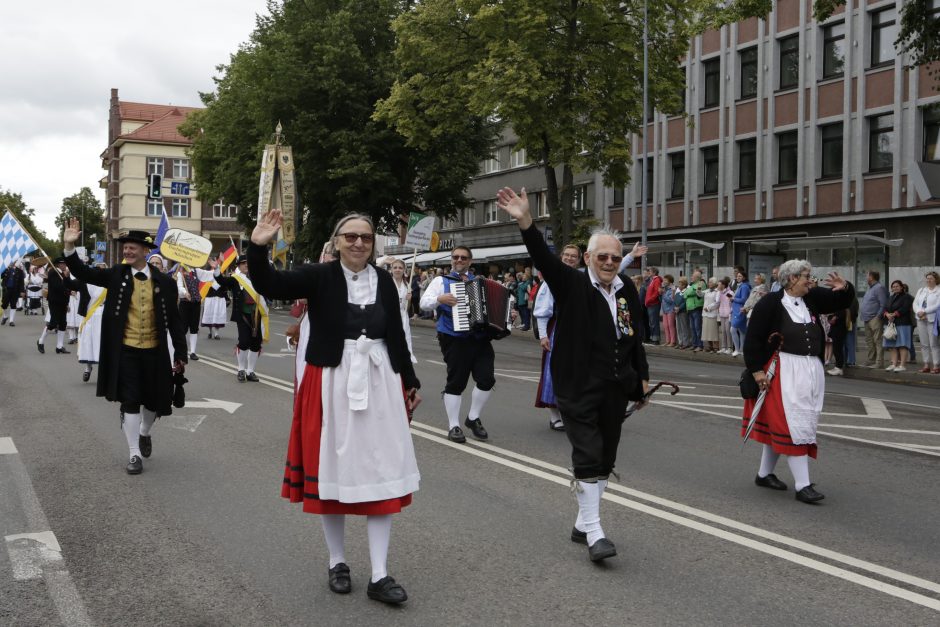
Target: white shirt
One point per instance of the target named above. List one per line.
(360, 286)
(610, 297)
(797, 309)
(203, 276)
(434, 289)
(928, 301)
(544, 308)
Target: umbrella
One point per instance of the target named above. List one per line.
(633, 406)
(769, 375)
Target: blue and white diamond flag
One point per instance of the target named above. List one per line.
(14, 241)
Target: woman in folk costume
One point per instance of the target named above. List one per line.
(350, 449)
(72, 318)
(250, 315)
(397, 267)
(89, 330)
(214, 309)
(34, 291)
(786, 326)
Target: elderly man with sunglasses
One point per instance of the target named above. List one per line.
(598, 363)
(465, 352)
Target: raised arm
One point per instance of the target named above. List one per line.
(95, 276)
(278, 284)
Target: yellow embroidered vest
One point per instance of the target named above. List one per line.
(141, 328)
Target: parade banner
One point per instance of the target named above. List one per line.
(276, 186)
(185, 247)
(420, 230)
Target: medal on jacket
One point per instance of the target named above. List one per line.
(623, 317)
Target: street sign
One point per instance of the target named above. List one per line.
(548, 233)
(99, 258)
(101, 246)
(178, 188)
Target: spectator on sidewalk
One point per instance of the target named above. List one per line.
(523, 283)
(837, 333)
(926, 304)
(851, 337)
(724, 315)
(738, 315)
(775, 284)
(898, 311)
(668, 310)
(710, 335)
(871, 309)
(653, 302)
(683, 329)
(694, 300)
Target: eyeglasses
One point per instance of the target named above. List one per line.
(460, 257)
(603, 257)
(351, 238)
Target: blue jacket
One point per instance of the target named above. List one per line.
(668, 301)
(738, 318)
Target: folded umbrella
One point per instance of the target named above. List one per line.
(769, 375)
(632, 407)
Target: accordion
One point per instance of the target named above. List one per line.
(482, 305)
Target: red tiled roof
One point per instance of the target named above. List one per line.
(162, 122)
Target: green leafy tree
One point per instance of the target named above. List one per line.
(84, 206)
(319, 67)
(567, 75)
(10, 201)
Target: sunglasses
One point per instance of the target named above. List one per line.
(604, 257)
(367, 238)
(460, 257)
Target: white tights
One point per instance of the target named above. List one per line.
(799, 466)
(379, 529)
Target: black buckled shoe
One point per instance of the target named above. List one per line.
(601, 550)
(476, 428)
(577, 536)
(193, 357)
(85, 376)
(241, 375)
(41, 347)
(770, 481)
(456, 435)
(340, 582)
(135, 466)
(809, 495)
(145, 442)
(252, 377)
(12, 324)
(62, 351)
(386, 591)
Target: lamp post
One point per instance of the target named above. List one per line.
(645, 128)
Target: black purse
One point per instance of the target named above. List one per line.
(749, 388)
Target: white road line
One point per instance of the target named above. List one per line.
(790, 556)
(888, 429)
(184, 423)
(30, 552)
(7, 447)
(280, 384)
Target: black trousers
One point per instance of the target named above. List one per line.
(837, 333)
(189, 312)
(136, 374)
(9, 298)
(467, 356)
(57, 316)
(249, 335)
(593, 420)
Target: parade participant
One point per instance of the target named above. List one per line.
(598, 361)
(214, 309)
(89, 331)
(13, 282)
(59, 287)
(139, 310)
(187, 284)
(249, 313)
(397, 268)
(34, 291)
(465, 352)
(786, 424)
(350, 448)
(72, 317)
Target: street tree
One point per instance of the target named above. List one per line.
(566, 75)
(319, 67)
(13, 202)
(87, 209)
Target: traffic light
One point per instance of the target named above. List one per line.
(153, 186)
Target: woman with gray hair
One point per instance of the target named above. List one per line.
(785, 326)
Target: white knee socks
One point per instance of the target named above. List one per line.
(242, 359)
(334, 530)
(252, 360)
(768, 460)
(192, 337)
(477, 401)
(380, 533)
(72, 333)
(452, 407)
(799, 467)
(42, 338)
(589, 510)
(147, 419)
(556, 415)
(132, 433)
(12, 314)
(60, 339)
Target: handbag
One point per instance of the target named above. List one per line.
(749, 388)
(891, 331)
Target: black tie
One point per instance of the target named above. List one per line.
(140, 276)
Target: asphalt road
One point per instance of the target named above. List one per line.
(202, 537)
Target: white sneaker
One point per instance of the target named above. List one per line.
(735, 354)
(836, 372)
(890, 369)
(900, 369)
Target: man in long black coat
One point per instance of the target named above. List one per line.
(139, 310)
(59, 286)
(13, 283)
(598, 363)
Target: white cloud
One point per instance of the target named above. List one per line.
(59, 60)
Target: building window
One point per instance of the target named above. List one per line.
(884, 30)
(154, 207)
(881, 143)
(392, 240)
(579, 202)
(490, 165)
(469, 216)
(181, 169)
(155, 165)
(618, 197)
(831, 150)
(748, 72)
(222, 211)
(517, 158)
(710, 159)
(541, 206)
(747, 164)
(932, 132)
(650, 163)
(712, 69)
(789, 62)
(677, 162)
(787, 157)
(834, 50)
(180, 208)
(490, 212)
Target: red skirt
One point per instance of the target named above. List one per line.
(771, 425)
(303, 457)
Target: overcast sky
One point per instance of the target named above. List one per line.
(59, 60)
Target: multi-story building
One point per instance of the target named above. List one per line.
(144, 139)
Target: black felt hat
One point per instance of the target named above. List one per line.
(138, 237)
(241, 259)
(58, 260)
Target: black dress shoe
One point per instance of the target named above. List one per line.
(12, 324)
(62, 351)
(252, 377)
(578, 536)
(340, 582)
(476, 428)
(74, 340)
(135, 467)
(193, 357)
(41, 347)
(3, 321)
(241, 375)
(145, 442)
(387, 591)
(770, 481)
(456, 435)
(86, 375)
(601, 550)
(809, 495)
